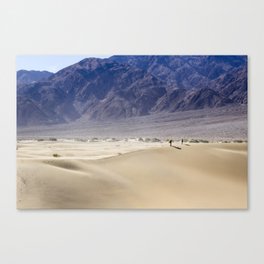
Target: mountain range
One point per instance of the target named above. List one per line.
(26, 77)
(126, 86)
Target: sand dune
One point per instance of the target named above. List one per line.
(195, 176)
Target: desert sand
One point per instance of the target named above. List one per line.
(130, 174)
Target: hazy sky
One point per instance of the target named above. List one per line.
(52, 63)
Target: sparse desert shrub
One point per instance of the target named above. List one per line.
(238, 141)
(53, 139)
(155, 140)
(94, 139)
(204, 141)
(147, 140)
(40, 139)
(194, 141)
(55, 155)
(80, 140)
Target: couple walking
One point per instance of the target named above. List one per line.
(170, 141)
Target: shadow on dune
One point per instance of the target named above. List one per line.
(176, 147)
(67, 165)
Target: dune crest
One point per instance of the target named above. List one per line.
(192, 176)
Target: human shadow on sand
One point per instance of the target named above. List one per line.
(176, 147)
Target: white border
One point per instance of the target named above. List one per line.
(131, 27)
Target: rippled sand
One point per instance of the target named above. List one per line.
(130, 174)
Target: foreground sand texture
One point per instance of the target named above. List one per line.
(153, 176)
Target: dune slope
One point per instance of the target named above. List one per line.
(193, 177)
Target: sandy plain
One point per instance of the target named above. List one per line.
(131, 174)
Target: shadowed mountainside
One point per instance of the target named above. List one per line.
(127, 86)
(26, 77)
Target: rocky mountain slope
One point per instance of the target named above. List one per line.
(25, 77)
(126, 86)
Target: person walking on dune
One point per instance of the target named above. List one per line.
(170, 141)
(182, 141)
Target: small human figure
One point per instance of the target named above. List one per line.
(182, 141)
(170, 141)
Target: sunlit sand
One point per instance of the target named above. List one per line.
(131, 174)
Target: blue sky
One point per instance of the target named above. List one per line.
(52, 63)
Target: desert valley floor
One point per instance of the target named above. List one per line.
(131, 174)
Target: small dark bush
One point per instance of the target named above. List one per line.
(238, 141)
(194, 141)
(204, 141)
(155, 140)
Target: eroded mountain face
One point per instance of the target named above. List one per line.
(127, 86)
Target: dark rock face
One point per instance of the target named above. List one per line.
(188, 72)
(126, 86)
(29, 113)
(25, 77)
(182, 99)
(233, 85)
